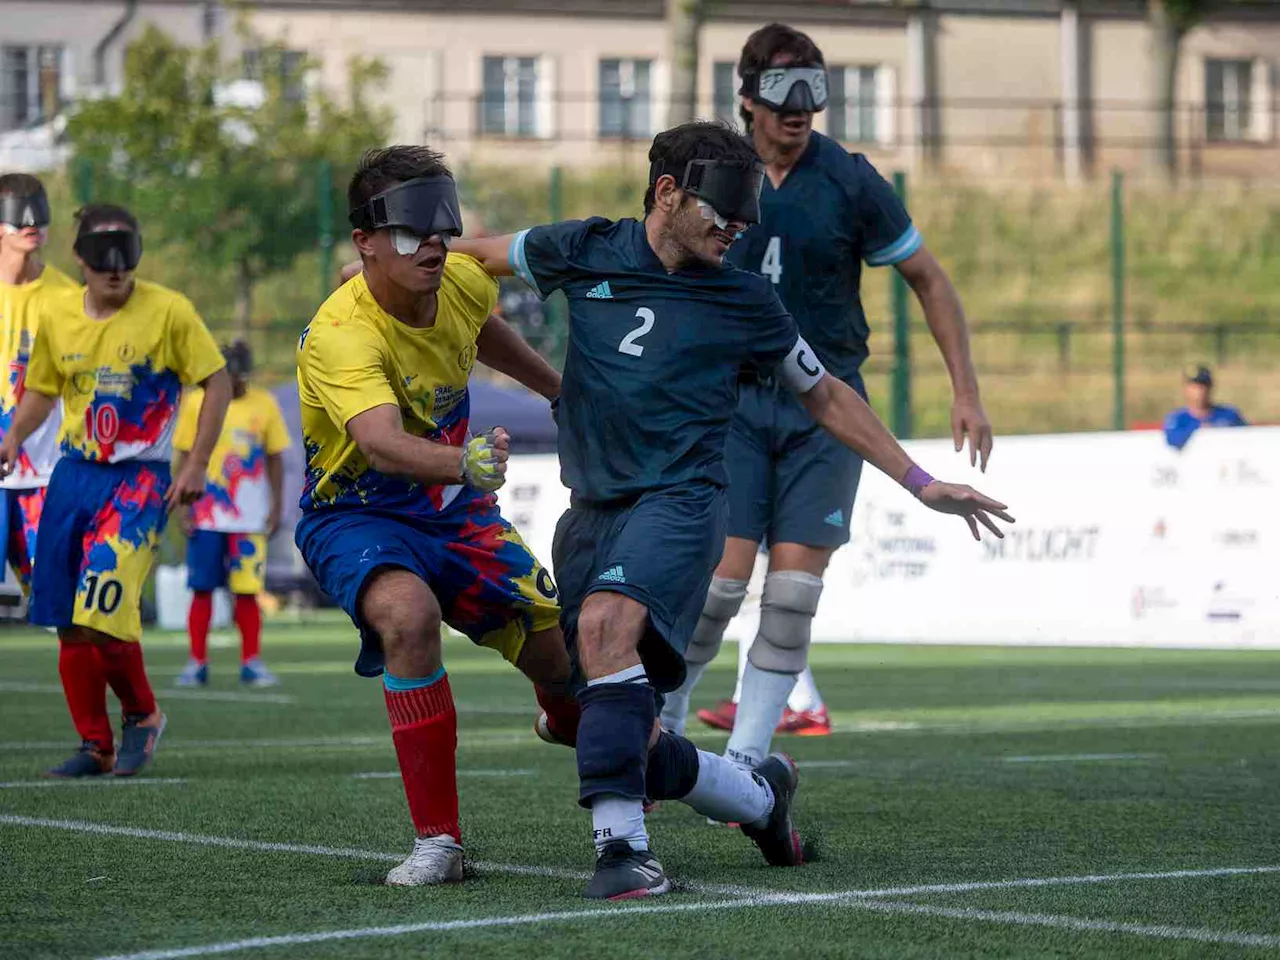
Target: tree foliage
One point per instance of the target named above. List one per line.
(236, 172)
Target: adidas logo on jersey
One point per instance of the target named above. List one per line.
(613, 575)
(835, 519)
(600, 291)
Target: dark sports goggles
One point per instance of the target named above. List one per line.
(788, 89)
(732, 189)
(109, 251)
(31, 210)
(426, 205)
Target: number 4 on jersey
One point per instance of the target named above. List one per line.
(771, 265)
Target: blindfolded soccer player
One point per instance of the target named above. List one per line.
(228, 528)
(823, 213)
(25, 280)
(400, 524)
(661, 327)
(118, 354)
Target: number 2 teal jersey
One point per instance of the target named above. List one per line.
(832, 213)
(650, 380)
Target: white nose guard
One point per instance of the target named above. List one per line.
(709, 213)
(407, 242)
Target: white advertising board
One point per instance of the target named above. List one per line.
(1120, 541)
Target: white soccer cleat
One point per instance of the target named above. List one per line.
(434, 860)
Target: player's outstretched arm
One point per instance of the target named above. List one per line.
(494, 253)
(379, 433)
(844, 414)
(944, 314)
(499, 346)
(33, 409)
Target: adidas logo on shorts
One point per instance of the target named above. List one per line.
(613, 575)
(835, 519)
(600, 291)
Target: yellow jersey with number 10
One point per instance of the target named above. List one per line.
(120, 378)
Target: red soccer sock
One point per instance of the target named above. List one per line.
(122, 663)
(562, 713)
(249, 620)
(424, 726)
(198, 618)
(85, 686)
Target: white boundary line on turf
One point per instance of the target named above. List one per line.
(236, 843)
(182, 693)
(1081, 757)
(91, 782)
(1081, 924)
(462, 772)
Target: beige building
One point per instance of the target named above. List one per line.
(992, 87)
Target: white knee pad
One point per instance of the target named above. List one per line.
(723, 600)
(786, 621)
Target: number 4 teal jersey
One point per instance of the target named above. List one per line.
(650, 380)
(832, 213)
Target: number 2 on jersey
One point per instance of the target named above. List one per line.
(628, 344)
(771, 265)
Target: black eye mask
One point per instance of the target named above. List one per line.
(110, 251)
(31, 210)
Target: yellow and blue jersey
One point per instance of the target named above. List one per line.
(19, 323)
(120, 379)
(237, 496)
(354, 356)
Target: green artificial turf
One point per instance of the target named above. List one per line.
(950, 765)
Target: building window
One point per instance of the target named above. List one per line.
(516, 98)
(626, 98)
(854, 104)
(1228, 88)
(724, 82)
(31, 85)
(289, 65)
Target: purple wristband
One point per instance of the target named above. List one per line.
(916, 480)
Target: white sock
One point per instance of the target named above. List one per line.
(675, 708)
(617, 818)
(634, 674)
(805, 695)
(729, 793)
(744, 648)
(764, 694)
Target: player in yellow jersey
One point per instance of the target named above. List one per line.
(228, 528)
(24, 280)
(400, 523)
(117, 354)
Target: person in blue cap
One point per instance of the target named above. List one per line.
(1200, 410)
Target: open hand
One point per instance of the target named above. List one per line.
(968, 419)
(964, 501)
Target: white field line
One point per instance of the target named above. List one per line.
(236, 843)
(1080, 924)
(180, 693)
(473, 772)
(1082, 757)
(173, 744)
(90, 782)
